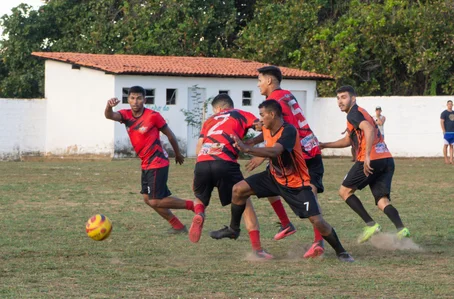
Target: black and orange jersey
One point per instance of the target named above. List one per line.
(293, 114)
(289, 168)
(216, 131)
(144, 135)
(379, 149)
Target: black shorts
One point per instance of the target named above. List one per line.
(220, 174)
(316, 170)
(154, 183)
(301, 200)
(379, 181)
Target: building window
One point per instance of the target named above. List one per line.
(149, 96)
(171, 96)
(125, 95)
(247, 98)
(224, 91)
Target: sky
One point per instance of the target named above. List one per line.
(6, 5)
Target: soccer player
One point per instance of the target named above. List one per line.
(269, 81)
(143, 126)
(217, 166)
(374, 165)
(286, 176)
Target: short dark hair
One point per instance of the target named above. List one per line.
(137, 89)
(347, 88)
(223, 100)
(272, 71)
(449, 101)
(272, 105)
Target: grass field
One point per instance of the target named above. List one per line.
(45, 253)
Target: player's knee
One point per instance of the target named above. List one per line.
(344, 193)
(238, 190)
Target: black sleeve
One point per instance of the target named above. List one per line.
(288, 137)
(443, 115)
(355, 118)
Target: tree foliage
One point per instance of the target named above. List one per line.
(382, 47)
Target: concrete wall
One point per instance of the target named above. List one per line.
(210, 86)
(23, 124)
(412, 127)
(76, 99)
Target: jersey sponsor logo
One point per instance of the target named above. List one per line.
(309, 142)
(211, 149)
(381, 148)
(451, 116)
(143, 130)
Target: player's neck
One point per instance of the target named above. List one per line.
(139, 113)
(276, 127)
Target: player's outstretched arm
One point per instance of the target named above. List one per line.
(341, 143)
(173, 141)
(266, 152)
(109, 113)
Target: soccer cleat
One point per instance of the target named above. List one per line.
(403, 233)
(263, 255)
(368, 232)
(225, 232)
(195, 231)
(285, 231)
(315, 250)
(173, 231)
(345, 257)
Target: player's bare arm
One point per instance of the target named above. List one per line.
(179, 158)
(198, 146)
(266, 152)
(442, 123)
(341, 143)
(368, 130)
(109, 113)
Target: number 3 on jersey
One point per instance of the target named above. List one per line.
(223, 118)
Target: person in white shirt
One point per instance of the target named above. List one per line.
(380, 120)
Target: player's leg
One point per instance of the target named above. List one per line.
(160, 194)
(240, 203)
(329, 234)
(316, 171)
(152, 192)
(381, 190)
(445, 149)
(230, 174)
(205, 177)
(451, 153)
(305, 205)
(356, 179)
(287, 227)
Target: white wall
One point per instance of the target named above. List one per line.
(22, 124)
(412, 127)
(76, 100)
(173, 114)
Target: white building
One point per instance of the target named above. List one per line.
(77, 87)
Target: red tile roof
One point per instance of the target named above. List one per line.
(173, 65)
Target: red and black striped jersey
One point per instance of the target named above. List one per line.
(144, 135)
(289, 168)
(379, 149)
(216, 131)
(293, 114)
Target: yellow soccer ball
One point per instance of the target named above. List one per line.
(98, 227)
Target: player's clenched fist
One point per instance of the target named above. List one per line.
(113, 102)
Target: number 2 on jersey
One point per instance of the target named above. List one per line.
(213, 130)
